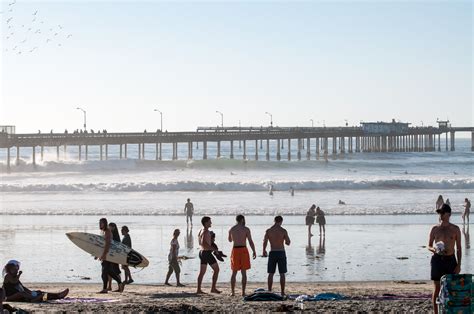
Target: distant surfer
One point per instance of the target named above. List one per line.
(292, 191)
(341, 202)
(270, 191)
(189, 211)
(107, 267)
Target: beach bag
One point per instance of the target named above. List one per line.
(456, 294)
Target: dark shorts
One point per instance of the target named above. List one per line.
(274, 258)
(207, 258)
(442, 265)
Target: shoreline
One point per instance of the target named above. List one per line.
(366, 296)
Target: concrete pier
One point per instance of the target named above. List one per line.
(411, 139)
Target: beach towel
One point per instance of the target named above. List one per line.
(456, 294)
(328, 296)
(264, 296)
(82, 300)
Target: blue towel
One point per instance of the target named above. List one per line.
(329, 296)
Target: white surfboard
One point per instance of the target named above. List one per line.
(118, 253)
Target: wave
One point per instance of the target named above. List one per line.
(354, 162)
(242, 186)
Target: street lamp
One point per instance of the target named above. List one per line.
(312, 123)
(421, 123)
(85, 118)
(271, 118)
(347, 124)
(161, 119)
(222, 118)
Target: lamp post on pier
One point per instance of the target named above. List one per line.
(312, 123)
(85, 117)
(161, 119)
(271, 118)
(222, 118)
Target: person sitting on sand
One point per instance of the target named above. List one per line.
(439, 202)
(173, 260)
(310, 214)
(467, 211)
(240, 258)
(206, 257)
(128, 242)
(15, 291)
(443, 238)
(321, 220)
(278, 237)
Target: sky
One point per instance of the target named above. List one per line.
(329, 61)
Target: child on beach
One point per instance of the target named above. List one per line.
(128, 242)
(173, 260)
(15, 291)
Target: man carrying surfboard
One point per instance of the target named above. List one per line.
(107, 267)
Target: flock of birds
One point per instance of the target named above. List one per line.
(29, 34)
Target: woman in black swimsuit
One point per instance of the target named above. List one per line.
(16, 291)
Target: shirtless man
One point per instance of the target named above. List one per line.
(278, 237)
(205, 255)
(467, 210)
(189, 211)
(443, 238)
(240, 259)
(107, 267)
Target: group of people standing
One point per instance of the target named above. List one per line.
(313, 212)
(111, 270)
(467, 207)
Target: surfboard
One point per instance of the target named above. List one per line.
(118, 253)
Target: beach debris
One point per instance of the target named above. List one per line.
(402, 257)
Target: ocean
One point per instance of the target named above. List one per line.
(389, 197)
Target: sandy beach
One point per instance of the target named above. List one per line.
(405, 296)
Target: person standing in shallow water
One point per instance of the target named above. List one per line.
(189, 211)
(206, 257)
(443, 239)
(310, 214)
(467, 211)
(128, 242)
(321, 220)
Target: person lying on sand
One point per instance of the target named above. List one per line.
(15, 291)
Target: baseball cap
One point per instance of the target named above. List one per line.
(444, 209)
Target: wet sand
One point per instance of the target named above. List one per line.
(407, 296)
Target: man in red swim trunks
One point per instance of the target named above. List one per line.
(240, 259)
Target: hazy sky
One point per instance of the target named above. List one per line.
(330, 61)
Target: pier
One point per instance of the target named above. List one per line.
(308, 142)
